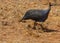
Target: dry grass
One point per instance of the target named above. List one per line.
(13, 31)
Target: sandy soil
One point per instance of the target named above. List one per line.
(13, 31)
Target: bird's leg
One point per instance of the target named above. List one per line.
(42, 27)
(34, 27)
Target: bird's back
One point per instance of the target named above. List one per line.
(37, 15)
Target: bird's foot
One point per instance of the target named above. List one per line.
(34, 28)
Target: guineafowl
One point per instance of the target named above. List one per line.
(37, 15)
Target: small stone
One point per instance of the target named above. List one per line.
(4, 23)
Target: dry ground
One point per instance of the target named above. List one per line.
(13, 31)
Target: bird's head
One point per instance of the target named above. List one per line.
(23, 19)
(50, 4)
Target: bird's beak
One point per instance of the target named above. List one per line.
(21, 20)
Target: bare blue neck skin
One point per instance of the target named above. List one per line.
(47, 10)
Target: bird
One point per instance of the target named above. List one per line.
(37, 15)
